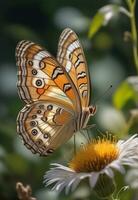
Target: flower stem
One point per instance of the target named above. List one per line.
(131, 5)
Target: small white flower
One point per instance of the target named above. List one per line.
(100, 156)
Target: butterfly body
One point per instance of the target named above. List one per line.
(56, 93)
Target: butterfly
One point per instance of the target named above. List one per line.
(56, 92)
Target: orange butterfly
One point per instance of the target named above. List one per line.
(56, 93)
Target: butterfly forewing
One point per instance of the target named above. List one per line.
(70, 55)
(44, 126)
(40, 77)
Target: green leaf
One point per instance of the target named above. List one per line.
(103, 16)
(96, 24)
(127, 92)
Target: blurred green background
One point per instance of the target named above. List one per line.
(109, 59)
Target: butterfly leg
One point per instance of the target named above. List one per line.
(90, 126)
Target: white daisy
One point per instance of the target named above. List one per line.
(100, 156)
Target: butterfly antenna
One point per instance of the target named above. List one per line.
(104, 94)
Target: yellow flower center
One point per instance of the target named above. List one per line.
(95, 156)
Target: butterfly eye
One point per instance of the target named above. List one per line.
(33, 123)
(42, 65)
(34, 71)
(30, 62)
(34, 132)
(34, 116)
(92, 110)
(46, 135)
(39, 83)
(49, 107)
(39, 112)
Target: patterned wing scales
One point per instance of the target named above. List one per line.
(40, 77)
(44, 126)
(70, 55)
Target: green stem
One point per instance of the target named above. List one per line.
(131, 5)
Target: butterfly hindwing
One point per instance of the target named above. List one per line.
(71, 56)
(40, 77)
(44, 126)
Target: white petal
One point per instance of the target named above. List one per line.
(128, 142)
(109, 172)
(93, 178)
(69, 185)
(84, 175)
(59, 186)
(75, 184)
(59, 166)
(128, 151)
(58, 173)
(120, 142)
(49, 182)
(116, 165)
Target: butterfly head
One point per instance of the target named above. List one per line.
(92, 110)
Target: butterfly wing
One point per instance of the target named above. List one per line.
(71, 56)
(41, 77)
(44, 126)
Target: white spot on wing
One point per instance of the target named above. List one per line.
(43, 75)
(73, 46)
(57, 93)
(68, 66)
(38, 57)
